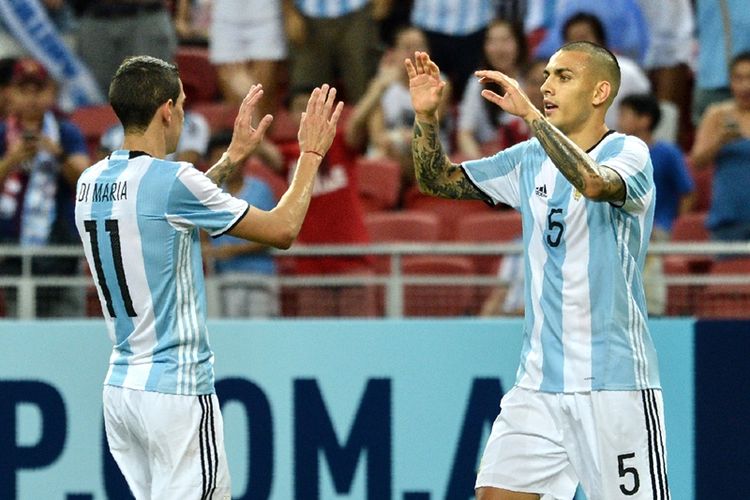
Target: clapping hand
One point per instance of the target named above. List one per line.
(425, 86)
(318, 124)
(245, 137)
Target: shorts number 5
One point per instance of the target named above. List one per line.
(628, 471)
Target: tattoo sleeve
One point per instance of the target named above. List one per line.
(594, 181)
(435, 173)
(219, 172)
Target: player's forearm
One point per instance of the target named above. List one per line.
(292, 207)
(221, 170)
(588, 177)
(433, 169)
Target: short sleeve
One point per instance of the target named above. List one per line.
(498, 176)
(195, 201)
(629, 157)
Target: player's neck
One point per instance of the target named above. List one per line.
(588, 136)
(147, 142)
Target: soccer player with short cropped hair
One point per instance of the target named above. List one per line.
(587, 405)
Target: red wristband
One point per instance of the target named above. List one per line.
(314, 152)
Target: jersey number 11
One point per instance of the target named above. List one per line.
(113, 228)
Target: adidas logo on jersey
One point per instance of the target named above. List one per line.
(541, 190)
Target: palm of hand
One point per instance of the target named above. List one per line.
(425, 93)
(514, 103)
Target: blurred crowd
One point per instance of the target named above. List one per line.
(685, 92)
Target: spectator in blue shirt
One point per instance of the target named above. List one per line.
(247, 268)
(639, 116)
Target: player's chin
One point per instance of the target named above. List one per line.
(555, 119)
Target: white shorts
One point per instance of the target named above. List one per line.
(234, 42)
(167, 446)
(613, 442)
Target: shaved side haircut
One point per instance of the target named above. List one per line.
(605, 64)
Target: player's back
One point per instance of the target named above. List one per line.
(137, 218)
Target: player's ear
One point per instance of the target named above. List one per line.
(602, 90)
(165, 111)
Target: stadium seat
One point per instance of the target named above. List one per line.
(726, 300)
(438, 300)
(449, 211)
(497, 225)
(93, 121)
(379, 183)
(690, 227)
(219, 115)
(682, 299)
(331, 301)
(703, 179)
(404, 226)
(501, 226)
(198, 74)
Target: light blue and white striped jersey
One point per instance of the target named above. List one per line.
(329, 8)
(138, 217)
(585, 323)
(453, 17)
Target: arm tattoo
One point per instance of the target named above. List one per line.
(221, 170)
(577, 166)
(434, 171)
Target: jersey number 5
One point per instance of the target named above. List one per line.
(555, 227)
(113, 228)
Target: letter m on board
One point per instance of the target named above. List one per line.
(314, 432)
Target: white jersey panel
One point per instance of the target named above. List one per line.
(576, 314)
(531, 357)
(585, 321)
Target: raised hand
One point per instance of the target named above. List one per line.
(425, 86)
(245, 137)
(318, 124)
(514, 101)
